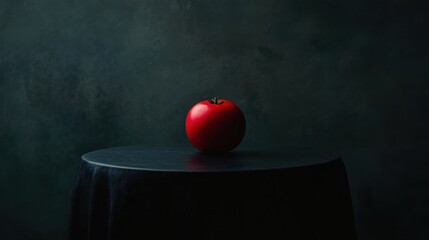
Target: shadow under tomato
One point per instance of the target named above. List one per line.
(220, 161)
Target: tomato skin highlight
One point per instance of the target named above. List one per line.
(215, 127)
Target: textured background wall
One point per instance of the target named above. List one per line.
(81, 75)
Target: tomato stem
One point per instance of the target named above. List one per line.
(214, 100)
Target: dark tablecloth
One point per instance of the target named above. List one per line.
(165, 193)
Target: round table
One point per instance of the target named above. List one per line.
(142, 192)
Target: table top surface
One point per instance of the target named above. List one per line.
(187, 159)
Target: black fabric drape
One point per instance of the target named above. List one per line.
(308, 202)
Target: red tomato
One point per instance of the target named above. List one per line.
(215, 125)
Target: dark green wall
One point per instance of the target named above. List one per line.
(81, 75)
